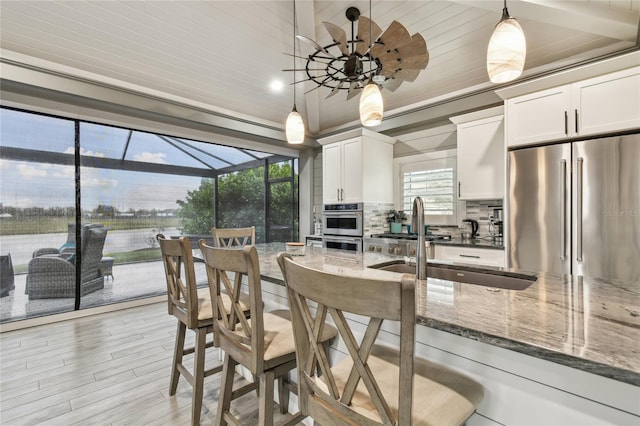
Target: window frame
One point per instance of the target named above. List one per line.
(427, 161)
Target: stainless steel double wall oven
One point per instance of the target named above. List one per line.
(342, 226)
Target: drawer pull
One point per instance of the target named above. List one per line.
(468, 255)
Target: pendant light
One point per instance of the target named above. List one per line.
(294, 128)
(371, 108)
(507, 50)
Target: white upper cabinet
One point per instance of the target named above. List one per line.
(357, 167)
(598, 105)
(481, 155)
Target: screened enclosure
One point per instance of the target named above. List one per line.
(103, 193)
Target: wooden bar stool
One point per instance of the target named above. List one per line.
(234, 237)
(193, 309)
(374, 384)
(263, 344)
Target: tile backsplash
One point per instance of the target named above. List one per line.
(481, 211)
(375, 218)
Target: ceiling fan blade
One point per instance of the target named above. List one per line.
(411, 63)
(338, 35)
(314, 44)
(363, 34)
(414, 53)
(353, 93)
(394, 36)
(392, 84)
(404, 75)
(335, 90)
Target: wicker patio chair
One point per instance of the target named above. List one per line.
(55, 276)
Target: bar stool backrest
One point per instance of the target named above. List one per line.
(182, 295)
(328, 397)
(234, 237)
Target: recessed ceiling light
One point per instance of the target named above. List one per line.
(276, 85)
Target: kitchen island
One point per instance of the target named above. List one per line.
(572, 339)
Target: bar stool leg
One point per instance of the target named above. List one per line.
(178, 351)
(198, 375)
(283, 394)
(265, 417)
(226, 389)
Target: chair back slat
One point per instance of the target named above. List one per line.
(326, 393)
(182, 294)
(231, 321)
(234, 237)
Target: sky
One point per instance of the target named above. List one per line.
(31, 184)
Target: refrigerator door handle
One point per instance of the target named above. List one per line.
(579, 162)
(563, 209)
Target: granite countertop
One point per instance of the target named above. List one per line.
(483, 243)
(581, 322)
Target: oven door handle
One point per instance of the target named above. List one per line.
(343, 239)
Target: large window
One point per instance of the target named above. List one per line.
(92, 198)
(433, 178)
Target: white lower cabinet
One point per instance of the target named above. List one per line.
(472, 255)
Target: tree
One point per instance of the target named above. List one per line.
(196, 212)
(241, 201)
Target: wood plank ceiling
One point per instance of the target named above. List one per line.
(222, 55)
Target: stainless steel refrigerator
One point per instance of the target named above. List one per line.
(574, 208)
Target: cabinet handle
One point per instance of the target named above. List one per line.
(576, 116)
(458, 189)
(468, 255)
(563, 207)
(341, 194)
(566, 123)
(338, 194)
(579, 189)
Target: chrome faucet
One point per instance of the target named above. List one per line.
(417, 222)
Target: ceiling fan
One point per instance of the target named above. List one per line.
(395, 56)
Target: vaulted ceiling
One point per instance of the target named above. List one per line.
(222, 55)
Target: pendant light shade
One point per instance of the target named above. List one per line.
(507, 50)
(295, 127)
(371, 108)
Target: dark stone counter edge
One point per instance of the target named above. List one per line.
(619, 374)
(604, 370)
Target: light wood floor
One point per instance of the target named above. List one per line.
(108, 369)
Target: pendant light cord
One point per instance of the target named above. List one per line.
(505, 12)
(371, 40)
(294, 54)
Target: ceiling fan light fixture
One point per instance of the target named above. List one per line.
(295, 127)
(371, 106)
(507, 50)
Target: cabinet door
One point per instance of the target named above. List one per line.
(481, 159)
(539, 116)
(331, 173)
(607, 103)
(352, 170)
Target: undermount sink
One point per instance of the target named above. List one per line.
(464, 274)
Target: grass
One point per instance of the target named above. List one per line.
(57, 224)
(141, 255)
